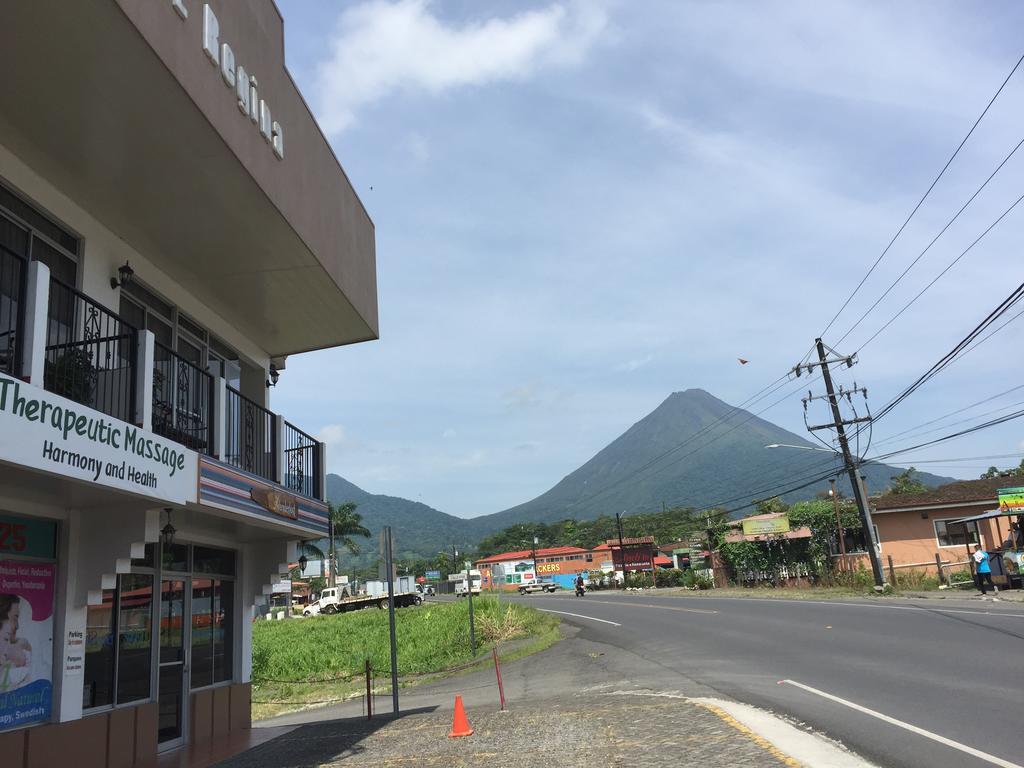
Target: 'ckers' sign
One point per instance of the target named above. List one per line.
(51, 433)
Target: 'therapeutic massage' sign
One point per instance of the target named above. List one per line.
(51, 433)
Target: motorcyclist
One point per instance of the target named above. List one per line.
(580, 590)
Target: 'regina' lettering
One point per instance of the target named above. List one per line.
(242, 83)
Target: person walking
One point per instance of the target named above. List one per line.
(982, 568)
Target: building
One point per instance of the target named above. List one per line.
(173, 225)
(916, 529)
(507, 570)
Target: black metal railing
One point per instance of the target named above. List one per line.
(13, 274)
(90, 353)
(301, 462)
(250, 436)
(182, 400)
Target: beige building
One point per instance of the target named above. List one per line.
(173, 226)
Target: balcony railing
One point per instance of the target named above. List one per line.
(182, 400)
(301, 461)
(250, 436)
(13, 271)
(90, 353)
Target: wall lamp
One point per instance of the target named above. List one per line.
(124, 276)
(274, 376)
(303, 562)
(168, 531)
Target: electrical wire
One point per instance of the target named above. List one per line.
(934, 240)
(923, 197)
(939, 276)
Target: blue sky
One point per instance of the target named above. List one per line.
(582, 207)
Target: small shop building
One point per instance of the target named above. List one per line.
(507, 570)
(173, 226)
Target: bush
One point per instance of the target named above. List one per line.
(916, 580)
(638, 580)
(700, 581)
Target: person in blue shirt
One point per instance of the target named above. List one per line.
(982, 569)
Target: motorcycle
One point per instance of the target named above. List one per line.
(580, 590)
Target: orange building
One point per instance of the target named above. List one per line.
(915, 529)
(507, 570)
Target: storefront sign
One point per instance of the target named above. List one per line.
(278, 502)
(242, 83)
(26, 642)
(1011, 501)
(433, 575)
(635, 557)
(74, 653)
(765, 527)
(28, 537)
(549, 568)
(48, 432)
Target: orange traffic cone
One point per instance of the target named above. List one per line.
(460, 726)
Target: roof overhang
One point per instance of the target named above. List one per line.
(115, 103)
(927, 507)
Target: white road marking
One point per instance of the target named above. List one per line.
(908, 727)
(921, 608)
(580, 616)
(642, 605)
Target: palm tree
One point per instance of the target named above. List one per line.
(344, 523)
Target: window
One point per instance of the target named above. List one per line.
(118, 646)
(950, 534)
(47, 241)
(143, 309)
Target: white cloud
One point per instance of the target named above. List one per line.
(631, 365)
(381, 47)
(448, 433)
(332, 434)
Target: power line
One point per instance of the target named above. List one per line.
(936, 279)
(929, 246)
(923, 197)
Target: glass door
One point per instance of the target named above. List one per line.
(173, 682)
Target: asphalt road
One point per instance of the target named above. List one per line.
(954, 669)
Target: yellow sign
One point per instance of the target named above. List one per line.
(766, 527)
(549, 568)
(1011, 501)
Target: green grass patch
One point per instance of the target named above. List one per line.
(321, 659)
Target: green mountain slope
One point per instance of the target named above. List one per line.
(727, 465)
(419, 530)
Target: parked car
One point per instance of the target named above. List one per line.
(538, 585)
(427, 590)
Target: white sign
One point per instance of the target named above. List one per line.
(74, 652)
(243, 84)
(48, 432)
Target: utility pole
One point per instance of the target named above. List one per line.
(536, 576)
(839, 522)
(388, 562)
(622, 548)
(839, 425)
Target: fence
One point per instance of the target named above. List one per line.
(90, 353)
(301, 462)
(250, 439)
(182, 400)
(13, 270)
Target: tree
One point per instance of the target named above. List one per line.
(905, 483)
(771, 506)
(993, 472)
(346, 523)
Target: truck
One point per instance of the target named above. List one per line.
(338, 600)
(537, 585)
(462, 581)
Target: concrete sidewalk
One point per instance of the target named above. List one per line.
(579, 703)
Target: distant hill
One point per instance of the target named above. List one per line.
(726, 465)
(419, 530)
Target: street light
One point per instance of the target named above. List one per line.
(801, 447)
(535, 542)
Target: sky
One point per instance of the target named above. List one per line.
(582, 207)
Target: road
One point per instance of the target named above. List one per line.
(948, 674)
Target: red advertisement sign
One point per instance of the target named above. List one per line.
(637, 557)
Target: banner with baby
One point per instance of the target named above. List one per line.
(26, 642)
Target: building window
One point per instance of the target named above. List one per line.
(950, 534)
(118, 643)
(35, 236)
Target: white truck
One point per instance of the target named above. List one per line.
(462, 582)
(338, 600)
(537, 585)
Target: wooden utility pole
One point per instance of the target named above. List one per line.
(839, 425)
(839, 523)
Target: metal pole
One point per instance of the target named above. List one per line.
(472, 634)
(497, 670)
(369, 693)
(622, 548)
(839, 523)
(388, 554)
(851, 468)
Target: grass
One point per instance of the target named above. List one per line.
(321, 659)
